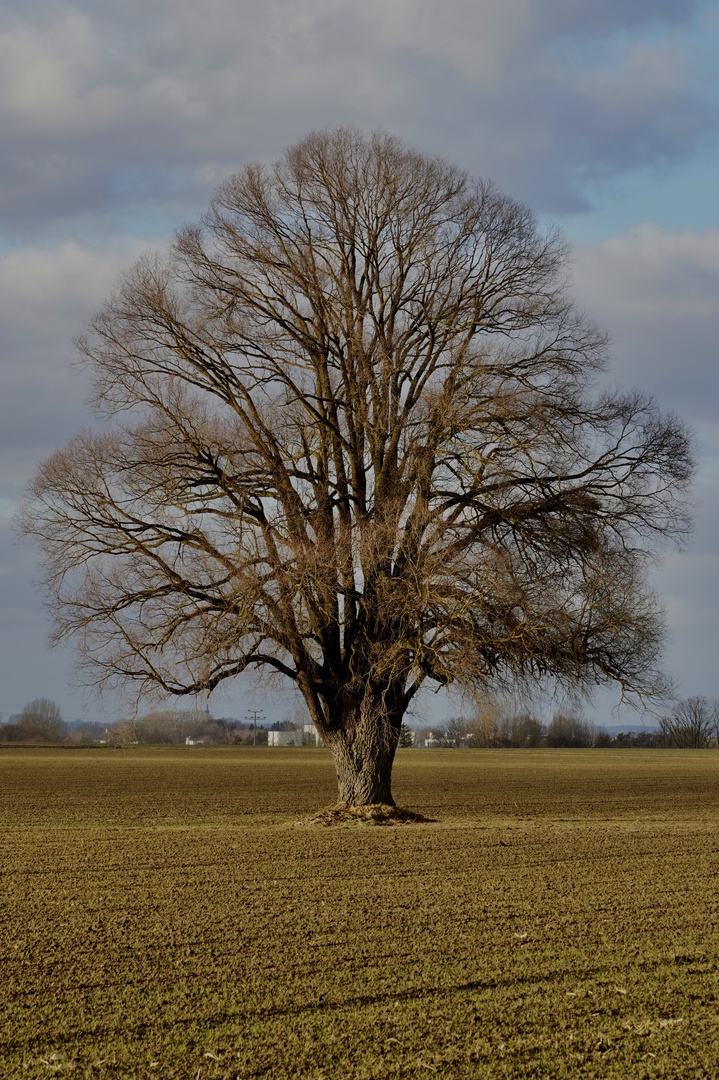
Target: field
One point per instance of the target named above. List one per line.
(164, 915)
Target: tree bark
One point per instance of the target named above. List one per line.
(363, 746)
(364, 774)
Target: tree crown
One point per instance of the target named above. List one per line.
(363, 447)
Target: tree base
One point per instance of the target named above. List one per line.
(372, 814)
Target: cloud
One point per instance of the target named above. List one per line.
(689, 584)
(655, 289)
(125, 111)
(46, 294)
(51, 78)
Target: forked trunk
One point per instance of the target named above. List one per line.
(363, 748)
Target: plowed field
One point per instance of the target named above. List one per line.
(164, 915)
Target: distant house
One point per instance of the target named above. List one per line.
(284, 738)
(192, 741)
(306, 736)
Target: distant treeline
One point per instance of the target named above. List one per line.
(41, 722)
(692, 723)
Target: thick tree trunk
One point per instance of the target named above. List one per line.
(363, 747)
(364, 774)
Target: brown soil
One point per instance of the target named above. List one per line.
(167, 922)
(375, 814)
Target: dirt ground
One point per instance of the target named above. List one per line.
(165, 914)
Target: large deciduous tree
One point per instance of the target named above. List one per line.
(360, 442)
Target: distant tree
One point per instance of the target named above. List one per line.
(122, 733)
(484, 728)
(168, 726)
(284, 725)
(360, 442)
(497, 723)
(91, 730)
(41, 721)
(527, 731)
(454, 731)
(220, 732)
(406, 736)
(296, 717)
(640, 739)
(256, 738)
(567, 730)
(690, 725)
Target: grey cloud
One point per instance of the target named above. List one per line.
(689, 584)
(115, 110)
(656, 291)
(609, 16)
(45, 297)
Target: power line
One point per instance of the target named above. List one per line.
(253, 715)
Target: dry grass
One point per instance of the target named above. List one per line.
(159, 920)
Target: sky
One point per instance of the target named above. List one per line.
(119, 120)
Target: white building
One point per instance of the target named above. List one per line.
(284, 738)
(306, 737)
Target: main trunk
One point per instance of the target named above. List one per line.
(364, 774)
(363, 745)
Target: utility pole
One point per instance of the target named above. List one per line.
(253, 714)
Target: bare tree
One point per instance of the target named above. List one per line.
(565, 729)
(691, 724)
(167, 726)
(527, 731)
(41, 719)
(358, 443)
(454, 731)
(501, 722)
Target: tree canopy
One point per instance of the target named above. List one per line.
(360, 441)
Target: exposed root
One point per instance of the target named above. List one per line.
(374, 814)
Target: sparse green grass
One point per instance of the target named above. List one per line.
(164, 916)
